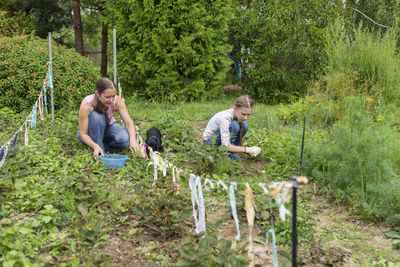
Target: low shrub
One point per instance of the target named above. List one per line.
(359, 160)
(163, 212)
(209, 250)
(23, 66)
(281, 151)
(321, 112)
(369, 60)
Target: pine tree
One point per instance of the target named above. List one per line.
(172, 50)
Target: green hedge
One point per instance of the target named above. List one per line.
(172, 50)
(23, 66)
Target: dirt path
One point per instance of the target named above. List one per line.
(342, 239)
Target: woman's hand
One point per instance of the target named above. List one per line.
(133, 145)
(97, 151)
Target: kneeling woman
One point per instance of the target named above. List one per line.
(97, 126)
(230, 126)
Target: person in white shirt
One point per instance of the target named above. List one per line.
(230, 126)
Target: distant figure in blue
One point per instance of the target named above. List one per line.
(230, 126)
(97, 126)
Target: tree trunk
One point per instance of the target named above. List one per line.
(104, 57)
(78, 28)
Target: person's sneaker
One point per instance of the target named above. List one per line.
(234, 156)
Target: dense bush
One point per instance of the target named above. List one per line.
(359, 160)
(368, 59)
(280, 45)
(15, 24)
(23, 66)
(172, 49)
(359, 62)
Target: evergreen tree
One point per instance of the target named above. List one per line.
(171, 50)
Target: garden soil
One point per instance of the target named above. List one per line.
(341, 247)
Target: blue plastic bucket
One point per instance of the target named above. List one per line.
(113, 161)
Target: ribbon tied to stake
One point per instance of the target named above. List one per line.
(232, 201)
(44, 96)
(15, 140)
(33, 121)
(3, 154)
(222, 184)
(208, 182)
(26, 134)
(271, 233)
(282, 193)
(250, 214)
(197, 198)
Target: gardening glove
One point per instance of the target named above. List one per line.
(253, 151)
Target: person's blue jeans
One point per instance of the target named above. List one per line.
(234, 128)
(111, 138)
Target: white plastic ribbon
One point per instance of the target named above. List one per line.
(223, 185)
(232, 201)
(282, 194)
(262, 185)
(138, 137)
(208, 182)
(197, 198)
(164, 171)
(155, 167)
(26, 134)
(283, 211)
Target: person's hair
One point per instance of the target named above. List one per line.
(104, 84)
(244, 101)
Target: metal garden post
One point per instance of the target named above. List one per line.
(294, 209)
(115, 57)
(51, 78)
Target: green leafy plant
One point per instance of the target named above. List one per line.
(214, 160)
(162, 211)
(279, 45)
(23, 67)
(367, 59)
(209, 250)
(359, 160)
